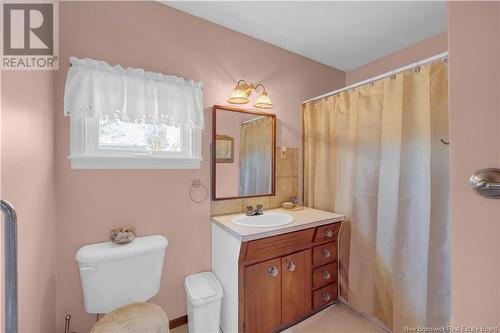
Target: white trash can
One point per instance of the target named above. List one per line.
(204, 295)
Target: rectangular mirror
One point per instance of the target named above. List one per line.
(243, 153)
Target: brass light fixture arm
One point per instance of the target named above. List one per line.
(245, 87)
(242, 83)
(259, 85)
(250, 86)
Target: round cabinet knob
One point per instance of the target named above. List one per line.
(328, 233)
(290, 266)
(272, 271)
(326, 275)
(325, 253)
(326, 296)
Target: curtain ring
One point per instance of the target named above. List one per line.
(195, 185)
(393, 77)
(417, 69)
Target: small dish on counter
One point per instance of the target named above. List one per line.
(288, 205)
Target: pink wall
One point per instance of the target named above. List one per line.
(474, 65)
(424, 49)
(28, 183)
(156, 37)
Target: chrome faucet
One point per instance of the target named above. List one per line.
(259, 210)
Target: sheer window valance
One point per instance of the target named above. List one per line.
(96, 89)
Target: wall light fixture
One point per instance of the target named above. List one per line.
(243, 90)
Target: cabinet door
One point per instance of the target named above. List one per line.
(263, 296)
(296, 288)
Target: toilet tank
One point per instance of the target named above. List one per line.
(116, 275)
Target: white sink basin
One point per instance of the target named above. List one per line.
(267, 220)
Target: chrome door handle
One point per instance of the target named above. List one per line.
(486, 182)
(272, 271)
(326, 275)
(325, 253)
(328, 233)
(326, 296)
(290, 266)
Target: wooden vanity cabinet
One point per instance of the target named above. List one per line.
(286, 278)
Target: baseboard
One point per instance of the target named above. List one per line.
(178, 321)
(371, 319)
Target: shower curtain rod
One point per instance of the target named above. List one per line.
(251, 120)
(443, 55)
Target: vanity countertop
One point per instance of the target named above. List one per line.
(303, 219)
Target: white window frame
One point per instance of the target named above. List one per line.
(85, 152)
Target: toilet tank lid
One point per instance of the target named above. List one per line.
(110, 251)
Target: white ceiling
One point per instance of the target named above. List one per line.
(343, 34)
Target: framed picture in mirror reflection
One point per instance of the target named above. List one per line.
(224, 148)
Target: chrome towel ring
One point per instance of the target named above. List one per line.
(195, 185)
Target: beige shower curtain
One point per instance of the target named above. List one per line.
(375, 154)
(256, 149)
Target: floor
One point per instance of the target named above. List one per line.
(180, 329)
(335, 319)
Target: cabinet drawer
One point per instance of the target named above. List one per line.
(327, 232)
(324, 275)
(324, 296)
(323, 254)
(278, 245)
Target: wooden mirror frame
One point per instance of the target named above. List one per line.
(213, 159)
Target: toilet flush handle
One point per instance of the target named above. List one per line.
(88, 269)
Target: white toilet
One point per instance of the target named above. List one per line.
(116, 275)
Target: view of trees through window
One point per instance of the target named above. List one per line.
(116, 134)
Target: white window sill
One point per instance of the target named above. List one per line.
(108, 163)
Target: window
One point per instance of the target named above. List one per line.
(156, 122)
